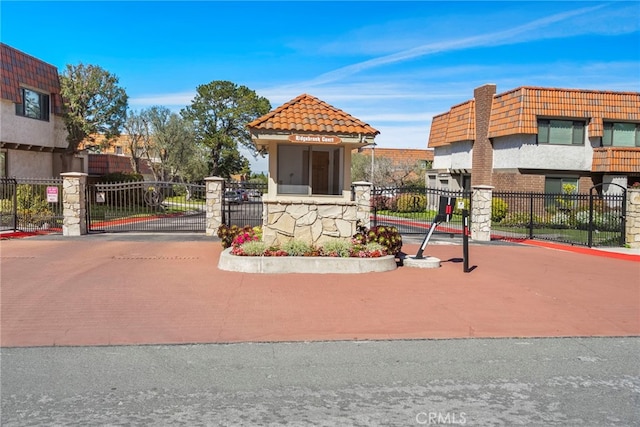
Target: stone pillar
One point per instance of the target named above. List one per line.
(362, 197)
(214, 190)
(481, 213)
(632, 232)
(74, 196)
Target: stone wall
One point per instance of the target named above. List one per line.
(312, 221)
(481, 213)
(632, 237)
(213, 204)
(74, 205)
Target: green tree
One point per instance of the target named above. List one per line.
(94, 103)
(220, 112)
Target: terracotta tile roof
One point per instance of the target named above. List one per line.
(616, 159)
(456, 125)
(400, 154)
(307, 113)
(517, 111)
(438, 132)
(18, 68)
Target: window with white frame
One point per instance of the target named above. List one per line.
(310, 170)
(34, 105)
(560, 132)
(617, 134)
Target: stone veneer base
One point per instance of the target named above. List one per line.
(298, 264)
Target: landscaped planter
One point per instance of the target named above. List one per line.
(302, 264)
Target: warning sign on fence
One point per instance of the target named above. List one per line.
(52, 194)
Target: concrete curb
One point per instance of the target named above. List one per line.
(315, 265)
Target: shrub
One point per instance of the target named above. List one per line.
(410, 203)
(250, 248)
(32, 207)
(519, 219)
(560, 219)
(296, 247)
(608, 221)
(6, 206)
(380, 202)
(388, 237)
(499, 209)
(582, 218)
(370, 250)
(236, 236)
(337, 247)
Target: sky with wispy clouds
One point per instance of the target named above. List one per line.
(392, 64)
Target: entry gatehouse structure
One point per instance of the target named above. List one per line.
(310, 195)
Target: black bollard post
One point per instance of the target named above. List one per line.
(465, 240)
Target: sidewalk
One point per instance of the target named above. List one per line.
(127, 289)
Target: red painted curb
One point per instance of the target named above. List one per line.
(582, 250)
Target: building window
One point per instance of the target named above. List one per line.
(34, 105)
(560, 132)
(621, 135)
(310, 170)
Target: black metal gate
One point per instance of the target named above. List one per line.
(31, 204)
(594, 219)
(412, 209)
(154, 206)
(8, 204)
(242, 204)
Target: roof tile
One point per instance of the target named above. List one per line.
(18, 68)
(307, 113)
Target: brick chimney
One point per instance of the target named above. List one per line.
(482, 158)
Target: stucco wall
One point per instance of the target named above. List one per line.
(24, 130)
(453, 156)
(521, 151)
(29, 164)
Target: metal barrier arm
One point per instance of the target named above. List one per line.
(436, 221)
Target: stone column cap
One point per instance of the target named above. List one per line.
(483, 187)
(74, 174)
(214, 178)
(362, 183)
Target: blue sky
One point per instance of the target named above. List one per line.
(392, 64)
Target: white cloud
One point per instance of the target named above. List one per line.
(528, 31)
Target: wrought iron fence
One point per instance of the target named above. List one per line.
(413, 209)
(31, 204)
(242, 203)
(146, 206)
(576, 219)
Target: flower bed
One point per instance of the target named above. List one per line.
(305, 264)
(374, 243)
(368, 251)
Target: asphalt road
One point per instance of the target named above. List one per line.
(478, 382)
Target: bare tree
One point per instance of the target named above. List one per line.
(137, 137)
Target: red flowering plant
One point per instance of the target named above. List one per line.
(235, 236)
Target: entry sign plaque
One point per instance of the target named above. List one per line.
(315, 139)
(52, 194)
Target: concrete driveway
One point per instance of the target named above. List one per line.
(159, 289)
